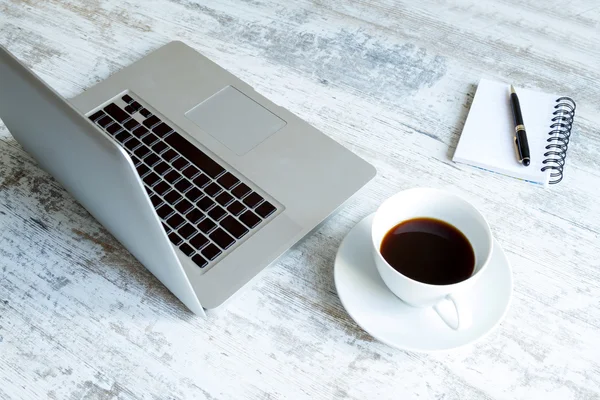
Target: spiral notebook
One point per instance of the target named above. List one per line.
(487, 140)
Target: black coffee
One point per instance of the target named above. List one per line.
(429, 251)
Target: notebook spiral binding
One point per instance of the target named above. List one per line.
(561, 126)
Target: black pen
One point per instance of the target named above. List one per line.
(520, 134)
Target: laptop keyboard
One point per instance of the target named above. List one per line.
(204, 208)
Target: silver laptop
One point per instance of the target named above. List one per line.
(203, 180)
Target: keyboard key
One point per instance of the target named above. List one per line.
(162, 187)
(199, 241)
(175, 221)
(142, 170)
(222, 239)
(161, 167)
(201, 181)
(145, 113)
(131, 124)
(175, 239)
(250, 219)
(213, 189)
(104, 121)
(187, 230)
(151, 179)
(129, 109)
(207, 225)
(136, 106)
(156, 201)
(123, 136)
(139, 132)
(224, 199)
(232, 225)
(200, 261)
(162, 129)
(265, 209)
(169, 155)
(97, 115)
(183, 185)
(205, 203)
(172, 176)
(166, 227)
(183, 206)
(142, 151)
(193, 194)
(236, 208)
(136, 161)
(252, 200)
(172, 197)
(197, 157)
(114, 129)
(127, 99)
(150, 122)
(151, 159)
(194, 216)
(190, 171)
(132, 143)
(115, 111)
(186, 249)
(148, 190)
(159, 147)
(241, 190)
(164, 211)
(180, 163)
(150, 139)
(228, 181)
(217, 213)
(211, 252)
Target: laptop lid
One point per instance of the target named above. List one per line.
(92, 167)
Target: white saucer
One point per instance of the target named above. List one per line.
(378, 311)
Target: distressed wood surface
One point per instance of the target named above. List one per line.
(80, 318)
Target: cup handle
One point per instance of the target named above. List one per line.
(455, 311)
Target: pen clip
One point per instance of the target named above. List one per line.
(518, 151)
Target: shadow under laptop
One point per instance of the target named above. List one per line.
(305, 289)
(57, 240)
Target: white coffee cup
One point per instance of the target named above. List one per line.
(447, 207)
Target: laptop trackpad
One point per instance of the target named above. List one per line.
(235, 120)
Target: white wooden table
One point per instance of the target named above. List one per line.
(80, 318)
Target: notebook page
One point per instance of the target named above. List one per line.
(487, 140)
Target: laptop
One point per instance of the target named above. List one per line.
(202, 179)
